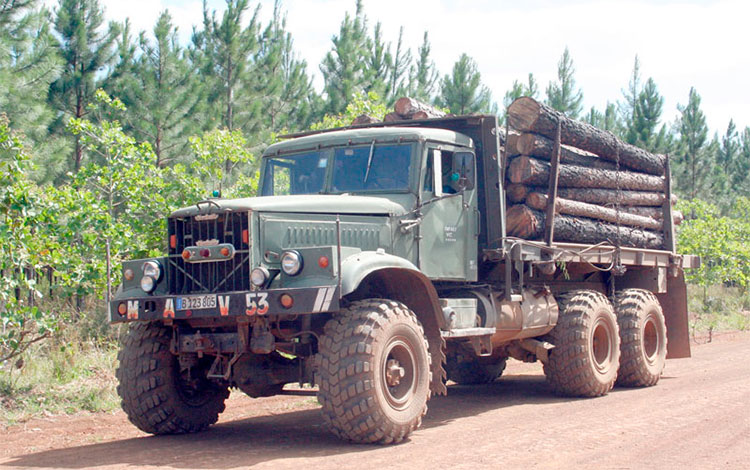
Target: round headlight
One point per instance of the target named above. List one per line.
(259, 276)
(148, 284)
(152, 269)
(291, 263)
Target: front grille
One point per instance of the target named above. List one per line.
(210, 277)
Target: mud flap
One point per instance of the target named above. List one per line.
(674, 305)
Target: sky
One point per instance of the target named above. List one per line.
(680, 44)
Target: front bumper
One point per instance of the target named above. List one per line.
(307, 300)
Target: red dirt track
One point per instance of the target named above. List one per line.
(698, 416)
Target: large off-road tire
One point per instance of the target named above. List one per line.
(586, 355)
(374, 372)
(471, 370)
(155, 395)
(643, 338)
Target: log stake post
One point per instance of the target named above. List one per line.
(554, 173)
(668, 220)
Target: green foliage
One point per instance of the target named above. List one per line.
(518, 89)
(722, 242)
(563, 95)
(370, 104)
(423, 74)
(22, 251)
(462, 92)
(222, 161)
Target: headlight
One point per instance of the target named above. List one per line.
(152, 269)
(259, 276)
(291, 262)
(148, 284)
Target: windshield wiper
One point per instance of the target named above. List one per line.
(369, 161)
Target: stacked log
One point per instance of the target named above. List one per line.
(405, 109)
(607, 190)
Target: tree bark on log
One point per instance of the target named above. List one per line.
(613, 196)
(527, 223)
(527, 115)
(538, 146)
(408, 107)
(392, 117)
(656, 213)
(593, 211)
(364, 119)
(517, 192)
(530, 171)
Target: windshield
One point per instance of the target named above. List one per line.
(367, 168)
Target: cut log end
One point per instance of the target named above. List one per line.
(523, 113)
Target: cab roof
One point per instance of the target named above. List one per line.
(389, 134)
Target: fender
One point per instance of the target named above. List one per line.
(355, 268)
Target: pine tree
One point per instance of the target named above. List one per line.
(423, 75)
(225, 49)
(646, 115)
(607, 120)
(343, 67)
(165, 96)
(694, 164)
(86, 50)
(563, 95)
(462, 92)
(398, 80)
(378, 63)
(627, 107)
(28, 64)
(741, 167)
(728, 149)
(283, 85)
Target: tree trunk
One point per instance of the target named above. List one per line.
(392, 117)
(527, 223)
(656, 213)
(530, 171)
(408, 107)
(527, 115)
(538, 146)
(364, 119)
(613, 196)
(593, 211)
(517, 192)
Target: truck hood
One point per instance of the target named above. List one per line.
(309, 203)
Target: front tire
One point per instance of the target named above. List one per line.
(586, 355)
(374, 372)
(643, 336)
(156, 396)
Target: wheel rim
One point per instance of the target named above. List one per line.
(399, 377)
(602, 346)
(650, 340)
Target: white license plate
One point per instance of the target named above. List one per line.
(196, 302)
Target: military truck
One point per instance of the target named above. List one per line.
(375, 265)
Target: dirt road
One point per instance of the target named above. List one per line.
(697, 417)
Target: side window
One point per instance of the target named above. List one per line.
(428, 175)
(462, 170)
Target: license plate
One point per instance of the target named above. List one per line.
(196, 302)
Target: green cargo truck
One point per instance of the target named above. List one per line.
(375, 265)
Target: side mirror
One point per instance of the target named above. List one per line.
(463, 170)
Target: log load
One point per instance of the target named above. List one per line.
(538, 146)
(408, 108)
(364, 119)
(527, 223)
(392, 117)
(593, 211)
(527, 115)
(531, 171)
(517, 192)
(656, 213)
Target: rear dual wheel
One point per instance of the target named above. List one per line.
(643, 338)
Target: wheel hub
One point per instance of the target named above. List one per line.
(394, 372)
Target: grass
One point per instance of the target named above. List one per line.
(61, 377)
(718, 308)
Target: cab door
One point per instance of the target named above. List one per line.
(449, 229)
